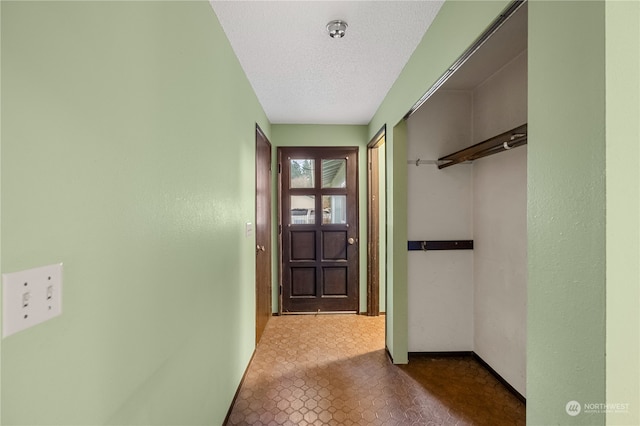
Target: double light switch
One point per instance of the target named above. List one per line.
(30, 297)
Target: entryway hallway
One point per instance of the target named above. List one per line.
(334, 370)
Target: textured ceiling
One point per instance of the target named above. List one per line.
(301, 75)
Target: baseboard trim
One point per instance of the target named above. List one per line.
(482, 362)
(449, 354)
(235, 396)
(500, 378)
(388, 352)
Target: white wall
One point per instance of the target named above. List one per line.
(500, 227)
(500, 102)
(439, 208)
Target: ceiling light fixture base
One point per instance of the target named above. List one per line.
(336, 28)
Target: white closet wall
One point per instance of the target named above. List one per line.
(439, 208)
(500, 227)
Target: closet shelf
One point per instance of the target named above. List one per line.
(504, 141)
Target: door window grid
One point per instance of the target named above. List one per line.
(302, 175)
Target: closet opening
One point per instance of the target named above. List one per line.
(467, 206)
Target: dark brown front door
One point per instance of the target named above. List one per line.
(263, 232)
(319, 220)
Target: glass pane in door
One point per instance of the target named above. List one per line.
(334, 173)
(334, 209)
(303, 209)
(303, 174)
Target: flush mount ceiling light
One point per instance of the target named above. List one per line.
(336, 28)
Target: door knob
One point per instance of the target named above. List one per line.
(351, 241)
(259, 248)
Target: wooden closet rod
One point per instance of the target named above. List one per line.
(504, 141)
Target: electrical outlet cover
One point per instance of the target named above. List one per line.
(30, 297)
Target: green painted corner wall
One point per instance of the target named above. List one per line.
(128, 138)
(284, 135)
(623, 209)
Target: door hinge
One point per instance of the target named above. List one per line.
(279, 229)
(279, 168)
(280, 290)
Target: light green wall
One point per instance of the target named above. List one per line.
(397, 325)
(284, 135)
(566, 211)
(128, 154)
(623, 209)
(456, 26)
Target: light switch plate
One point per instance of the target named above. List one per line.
(248, 229)
(30, 297)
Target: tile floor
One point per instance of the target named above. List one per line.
(333, 370)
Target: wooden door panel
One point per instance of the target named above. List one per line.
(334, 245)
(303, 245)
(303, 282)
(335, 281)
(319, 229)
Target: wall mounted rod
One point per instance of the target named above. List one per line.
(420, 161)
(440, 245)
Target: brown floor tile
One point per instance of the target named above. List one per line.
(333, 370)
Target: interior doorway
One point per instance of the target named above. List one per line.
(374, 150)
(319, 229)
(263, 232)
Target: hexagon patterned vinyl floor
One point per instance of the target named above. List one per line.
(333, 370)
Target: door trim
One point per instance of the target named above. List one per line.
(281, 153)
(373, 223)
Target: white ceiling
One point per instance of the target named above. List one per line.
(301, 75)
